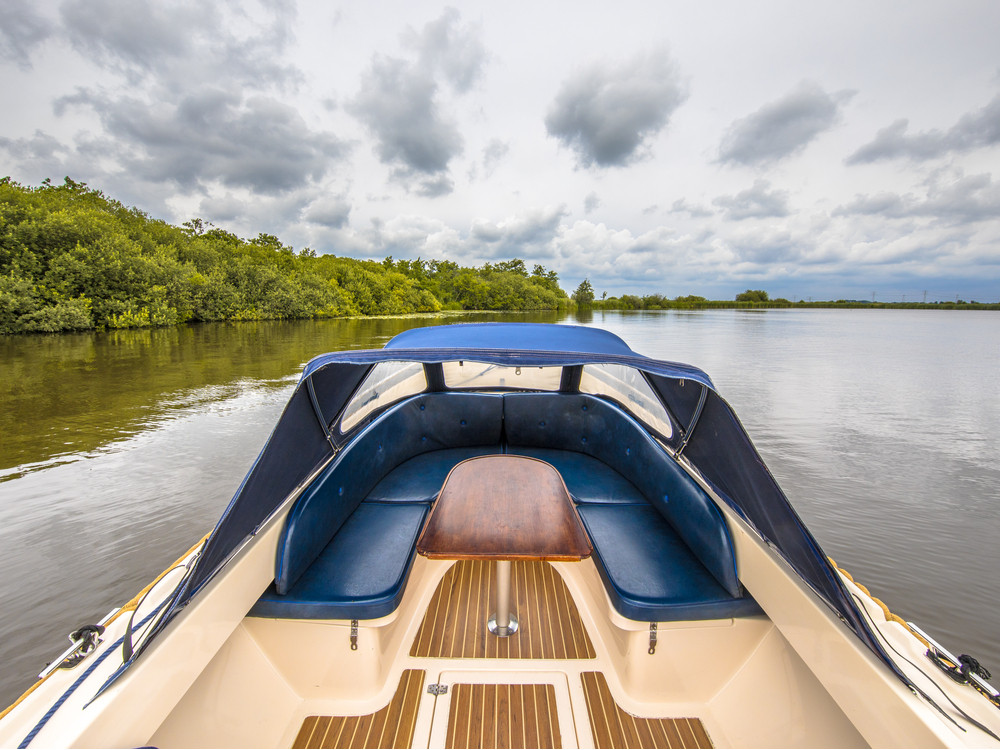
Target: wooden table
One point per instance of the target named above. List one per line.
(504, 508)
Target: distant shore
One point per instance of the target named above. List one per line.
(779, 305)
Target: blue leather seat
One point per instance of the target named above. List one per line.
(587, 479)
(650, 573)
(360, 574)
(419, 425)
(419, 479)
(603, 431)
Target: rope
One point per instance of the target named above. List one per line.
(889, 616)
(79, 681)
(127, 607)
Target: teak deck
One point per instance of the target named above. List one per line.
(455, 623)
(613, 727)
(388, 727)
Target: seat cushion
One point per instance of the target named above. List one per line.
(604, 431)
(650, 573)
(417, 425)
(360, 574)
(419, 480)
(588, 479)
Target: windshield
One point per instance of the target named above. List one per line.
(628, 387)
(385, 384)
(466, 374)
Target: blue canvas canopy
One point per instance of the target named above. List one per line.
(706, 431)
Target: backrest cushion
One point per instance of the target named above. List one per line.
(417, 425)
(590, 425)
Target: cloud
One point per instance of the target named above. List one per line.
(950, 197)
(884, 204)
(681, 206)
(767, 247)
(191, 97)
(176, 42)
(434, 186)
(329, 212)
(494, 153)
(608, 114)
(979, 129)
(756, 202)
(591, 203)
(782, 127)
(397, 103)
(40, 147)
(531, 230)
(22, 30)
(207, 136)
(408, 236)
(456, 53)
(222, 208)
(400, 102)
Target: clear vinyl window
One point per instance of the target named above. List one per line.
(466, 374)
(386, 383)
(628, 387)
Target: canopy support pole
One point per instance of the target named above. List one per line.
(319, 413)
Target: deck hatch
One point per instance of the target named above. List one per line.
(507, 716)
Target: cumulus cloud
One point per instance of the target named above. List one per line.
(41, 147)
(756, 202)
(979, 129)
(329, 212)
(681, 206)
(226, 208)
(175, 42)
(608, 113)
(782, 127)
(434, 186)
(455, 52)
(767, 247)
(950, 197)
(400, 102)
(409, 236)
(513, 236)
(211, 135)
(193, 99)
(23, 29)
(397, 103)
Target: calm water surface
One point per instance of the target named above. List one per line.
(119, 450)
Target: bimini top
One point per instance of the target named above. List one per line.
(513, 336)
(705, 430)
(541, 344)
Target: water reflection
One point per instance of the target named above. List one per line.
(70, 396)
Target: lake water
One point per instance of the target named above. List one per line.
(119, 450)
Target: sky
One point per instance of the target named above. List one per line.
(826, 151)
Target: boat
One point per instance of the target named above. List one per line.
(695, 609)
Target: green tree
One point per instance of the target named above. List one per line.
(584, 294)
(71, 258)
(752, 295)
